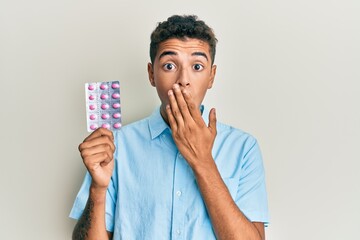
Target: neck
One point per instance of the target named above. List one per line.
(164, 114)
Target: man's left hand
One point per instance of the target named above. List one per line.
(192, 136)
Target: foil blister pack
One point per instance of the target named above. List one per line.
(103, 108)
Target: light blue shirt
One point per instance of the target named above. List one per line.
(153, 193)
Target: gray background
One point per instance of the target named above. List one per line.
(288, 72)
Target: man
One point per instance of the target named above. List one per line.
(178, 174)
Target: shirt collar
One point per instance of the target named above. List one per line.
(157, 125)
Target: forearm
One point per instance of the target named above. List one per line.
(227, 220)
(92, 225)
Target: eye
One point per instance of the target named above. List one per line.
(169, 66)
(198, 67)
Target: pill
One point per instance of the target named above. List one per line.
(116, 105)
(115, 95)
(116, 115)
(104, 96)
(115, 85)
(93, 126)
(105, 116)
(104, 106)
(103, 87)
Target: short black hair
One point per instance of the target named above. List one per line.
(181, 27)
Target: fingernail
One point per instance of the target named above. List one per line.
(170, 92)
(176, 86)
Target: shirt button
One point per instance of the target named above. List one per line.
(178, 232)
(178, 193)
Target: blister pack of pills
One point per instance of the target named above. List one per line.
(103, 107)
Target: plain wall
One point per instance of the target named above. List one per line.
(288, 73)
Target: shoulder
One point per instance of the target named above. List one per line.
(235, 135)
(134, 129)
(139, 124)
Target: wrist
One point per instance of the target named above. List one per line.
(97, 194)
(205, 167)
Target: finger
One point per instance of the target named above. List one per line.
(175, 109)
(99, 158)
(100, 132)
(212, 120)
(183, 107)
(97, 141)
(193, 109)
(108, 159)
(97, 149)
(171, 119)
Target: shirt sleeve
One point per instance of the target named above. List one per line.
(251, 197)
(111, 197)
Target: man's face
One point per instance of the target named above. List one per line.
(183, 62)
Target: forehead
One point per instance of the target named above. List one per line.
(186, 46)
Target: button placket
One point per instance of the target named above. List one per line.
(178, 194)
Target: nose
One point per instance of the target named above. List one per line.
(183, 79)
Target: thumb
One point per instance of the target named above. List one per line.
(212, 120)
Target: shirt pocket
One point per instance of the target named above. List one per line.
(232, 185)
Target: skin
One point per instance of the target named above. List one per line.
(97, 152)
(181, 73)
(182, 62)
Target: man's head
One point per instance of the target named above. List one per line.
(182, 27)
(182, 53)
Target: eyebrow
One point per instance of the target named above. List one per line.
(167, 53)
(200, 54)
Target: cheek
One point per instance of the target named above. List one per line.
(164, 83)
(162, 90)
(200, 93)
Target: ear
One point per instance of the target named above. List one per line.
(151, 74)
(212, 76)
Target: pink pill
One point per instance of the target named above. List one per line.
(115, 85)
(92, 97)
(104, 106)
(105, 116)
(92, 117)
(105, 125)
(93, 126)
(116, 105)
(116, 115)
(115, 95)
(117, 125)
(92, 107)
(91, 87)
(103, 87)
(104, 96)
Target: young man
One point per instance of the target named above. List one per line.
(178, 174)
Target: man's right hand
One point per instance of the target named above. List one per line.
(97, 152)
